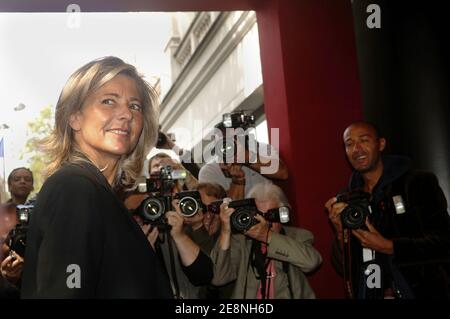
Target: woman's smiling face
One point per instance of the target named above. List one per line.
(110, 121)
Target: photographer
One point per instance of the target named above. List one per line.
(166, 142)
(247, 166)
(20, 184)
(186, 265)
(406, 234)
(161, 159)
(268, 261)
(205, 231)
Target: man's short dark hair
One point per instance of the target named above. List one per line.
(10, 176)
(378, 132)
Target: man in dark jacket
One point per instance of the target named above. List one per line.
(403, 247)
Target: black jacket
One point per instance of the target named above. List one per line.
(78, 220)
(421, 235)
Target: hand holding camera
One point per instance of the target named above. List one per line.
(351, 210)
(175, 220)
(225, 213)
(334, 214)
(260, 231)
(165, 141)
(372, 239)
(11, 267)
(239, 216)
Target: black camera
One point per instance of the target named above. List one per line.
(190, 202)
(164, 181)
(152, 210)
(238, 120)
(243, 218)
(214, 207)
(358, 208)
(17, 237)
(226, 148)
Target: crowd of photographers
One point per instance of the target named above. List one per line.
(223, 231)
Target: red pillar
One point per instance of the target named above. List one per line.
(311, 92)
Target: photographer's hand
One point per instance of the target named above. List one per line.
(169, 144)
(11, 267)
(334, 214)
(237, 186)
(187, 249)
(176, 220)
(236, 171)
(260, 231)
(225, 230)
(373, 239)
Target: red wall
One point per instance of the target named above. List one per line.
(311, 92)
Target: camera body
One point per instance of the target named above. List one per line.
(358, 208)
(243, 218)
(152, 210)
(238, 120)
(214, 207)
(17, 237)
(164, 181)
(226, 148)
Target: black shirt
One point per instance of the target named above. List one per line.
(83, 243)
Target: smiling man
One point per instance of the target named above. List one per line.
(403, 247)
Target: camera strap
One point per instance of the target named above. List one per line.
(347, 263)
(259, 263)
(172, 269)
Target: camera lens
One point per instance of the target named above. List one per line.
(188, 206)
(353, 216)
(153, 209)
(225, 149)
(241, 220)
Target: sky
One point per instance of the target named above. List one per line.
(39, 51)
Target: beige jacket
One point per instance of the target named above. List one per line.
(294, 248)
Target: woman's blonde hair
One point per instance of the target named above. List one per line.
(60, 144)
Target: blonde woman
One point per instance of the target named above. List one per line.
(82, 242)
